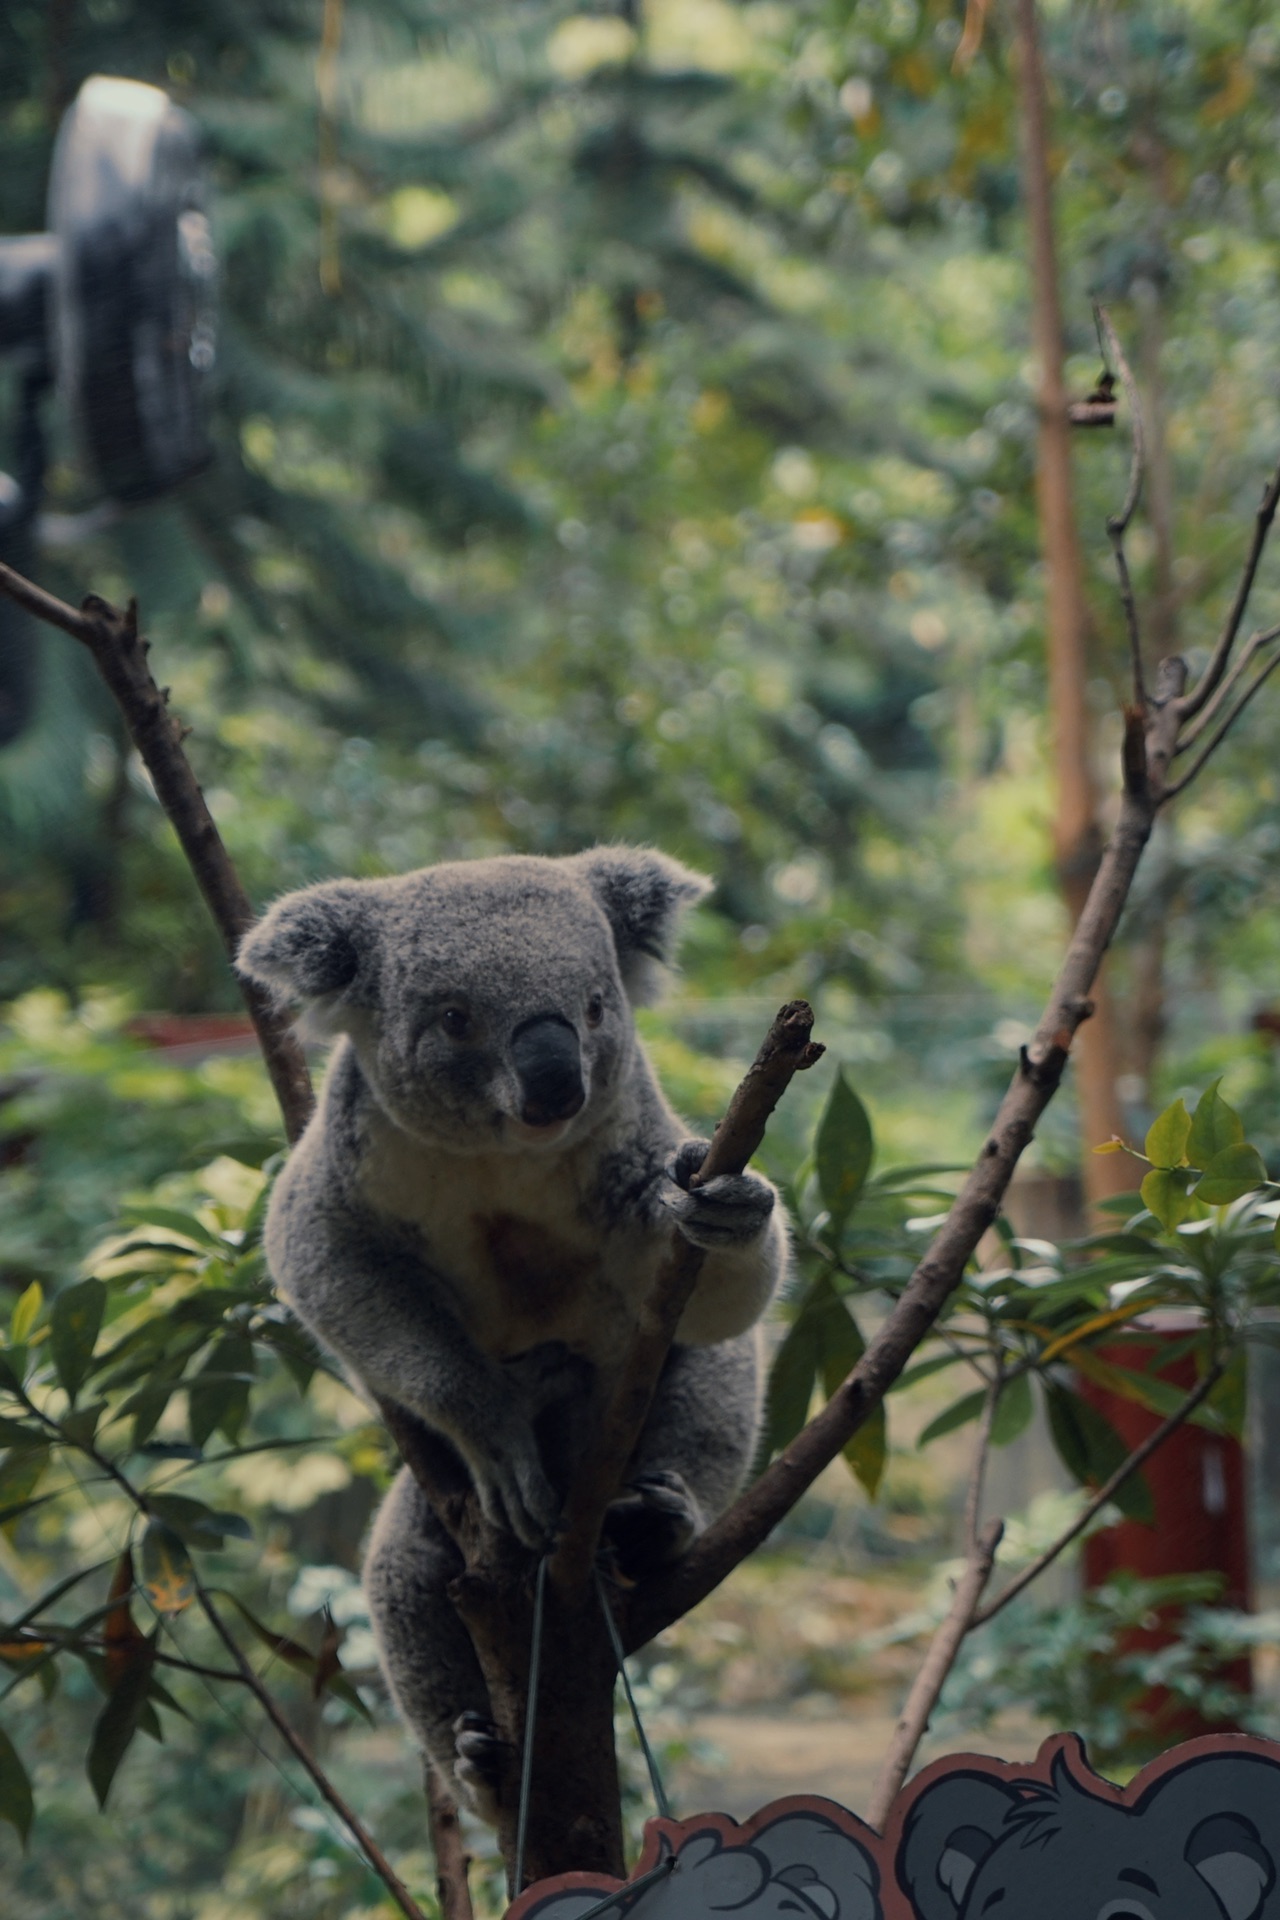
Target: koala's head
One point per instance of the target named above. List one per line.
(1200, 1844)
(489, 1001)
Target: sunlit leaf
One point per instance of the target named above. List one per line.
(168, 1577)
(17, 1804)
(1164, 1191)
(843, 1151)
(25, 1313)
(1167, 1137)
(1214, 1127)
(1235, 1171)
(74, 1325)
(119, 1719)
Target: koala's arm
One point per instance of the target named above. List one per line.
(381, 1311)
(740, 1223)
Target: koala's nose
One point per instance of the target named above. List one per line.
(548, 1060)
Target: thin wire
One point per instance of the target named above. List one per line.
(625, 1891)
(530, 1719)
(655, 1778)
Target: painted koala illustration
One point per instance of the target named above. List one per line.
(804, 1864)
(1199, 1842)
(479, 1205)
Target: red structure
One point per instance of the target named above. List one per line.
(1199, 1491)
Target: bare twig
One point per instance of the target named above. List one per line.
(302, 1753)
(1192, 702)
(787, 1049)
(1200, 726)
(1222, 730)
(120, 655)
(452, 1858)
(981, 1450)
(913, 1721)
(1118, 524)
(1106, 1492)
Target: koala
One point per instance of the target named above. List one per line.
(1200, 1843)
(478, 1208)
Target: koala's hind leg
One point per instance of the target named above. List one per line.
(426, 1653)
(693, 1455)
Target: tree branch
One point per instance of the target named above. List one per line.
(1192, 702)
(302, 1753)
(1222, 730)
(120, 656)
(1135, 1462)
(1200, 726)
(913, 1722)
(787, 1049)
(751, 1519)
(1118, 524)
(452, 1858)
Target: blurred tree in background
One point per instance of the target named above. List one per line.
(626, 427)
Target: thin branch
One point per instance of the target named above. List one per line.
(981, 1450)
(1192, 702)
(302, 1753)
(120, 655)
(452, 1858)
(913, 1721)
(1106, 1492)
(787, 1049)
(1118, 524)
(1221, 731)
(1200, 726)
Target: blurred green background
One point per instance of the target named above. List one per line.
(625, 428)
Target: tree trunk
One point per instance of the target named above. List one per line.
(1077, 840)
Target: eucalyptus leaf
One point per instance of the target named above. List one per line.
(17, 1803)
(119, 1719)
(843, 1151)
(74, 1325)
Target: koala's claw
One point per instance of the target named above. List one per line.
(653, 1523)
(516, 1494)
(730, 1210)
(483, 1757)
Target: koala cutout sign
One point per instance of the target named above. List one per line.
(1196, 1836)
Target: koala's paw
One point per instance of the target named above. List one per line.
(729, 1211)
(651, 1524)
(482, 1758)
(514, 1491)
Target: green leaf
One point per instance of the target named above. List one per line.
(184, 1224)
(791, 1381)
(1165, 1192)
(197, 1524)
(20, 1474)
(74, 1325)
(218, 1396)
(1235, 1171)
(958, 1414)
(1013, 1410)
(1167, 1138)
(1091, 1450)
(14, 1434)
(17, 1804)
(1214, 1127)
(840, 1347)
(168, 1577)
(120, 1718)
(25, 1313)
(843, 1151)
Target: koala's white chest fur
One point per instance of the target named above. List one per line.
(507, 1235)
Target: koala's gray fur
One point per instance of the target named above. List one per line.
(482, 1201)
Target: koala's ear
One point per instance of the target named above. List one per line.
(1227, 1852)
(643, 894)
(1221, 1811)
(312, 944)
(950, 1830)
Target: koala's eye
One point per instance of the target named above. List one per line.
(455, 1022)
(595, 1010)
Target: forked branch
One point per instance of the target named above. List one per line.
(1206, 686)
